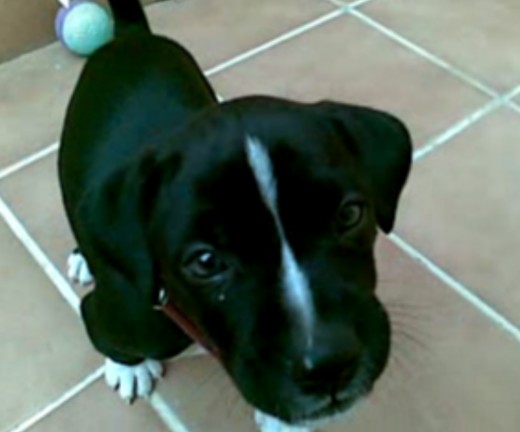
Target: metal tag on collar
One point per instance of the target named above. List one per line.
(162, 299)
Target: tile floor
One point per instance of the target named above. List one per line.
(449, 273)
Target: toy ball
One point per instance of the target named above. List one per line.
(84, 26)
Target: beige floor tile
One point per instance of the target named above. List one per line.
(43, 347)
(349, 62)
(34, 90)
(462, 209)
(477, 36)
(34, 195)
(215, 31)
(99, 409)
(203, 397)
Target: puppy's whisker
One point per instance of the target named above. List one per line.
(409, 332)
(410, 307)
(422, 323)
(405, 337)
(414, 359)
(401, 364)
(415, 319)
(414, 324)
(410, 325)
(402, 300)
(408, 359)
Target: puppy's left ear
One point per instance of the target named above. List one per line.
(383, 145)
(113, 222)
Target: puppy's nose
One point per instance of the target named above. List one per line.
(330, 369)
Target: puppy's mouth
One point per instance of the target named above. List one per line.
(335, 406)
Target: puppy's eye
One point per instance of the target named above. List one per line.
(203, 264)
(350, 215)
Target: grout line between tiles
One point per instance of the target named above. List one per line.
(41, 258)
(34, 157)
(456, 129)
(466, 122)
(343, 8)
(513, 93)
(73, 300)
(166, 413)
(491, 313)
(349, 5)
(208, 73)
(423, 52)
(41, 154)
(345, 4)
(509, 99)
(62, 400)
(274, 42)
(514, 107)
(338, 3)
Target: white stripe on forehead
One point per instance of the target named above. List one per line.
(260, 162)
(294, 280)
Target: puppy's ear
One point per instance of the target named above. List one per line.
(383, 145)
(113, 221)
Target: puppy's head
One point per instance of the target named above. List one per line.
(262, 218)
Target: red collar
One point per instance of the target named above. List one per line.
(172, 311)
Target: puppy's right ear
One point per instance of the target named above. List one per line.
(382, 145)
(113, 221)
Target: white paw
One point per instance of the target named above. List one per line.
(77, 269)
(266, 423)
(132, 381)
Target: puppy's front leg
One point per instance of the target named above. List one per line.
(129, 380)
(132, 336)
(133, 381)
(78, 270)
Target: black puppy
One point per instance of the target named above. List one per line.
(255, 219)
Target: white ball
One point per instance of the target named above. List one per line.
(86, 27)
